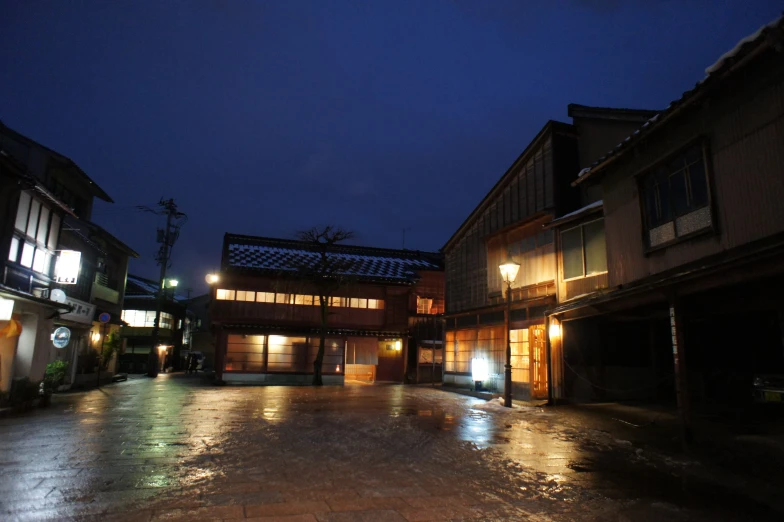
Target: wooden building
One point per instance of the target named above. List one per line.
(511, 222)
(690, 307)
(46, 204)
(266, 314)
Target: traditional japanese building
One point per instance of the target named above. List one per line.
(690, 306)
(62, 272)
(266, 314)
(511, 223)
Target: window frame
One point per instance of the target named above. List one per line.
(585, 274)
(642, 177)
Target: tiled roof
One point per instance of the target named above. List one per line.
(367, 263)
(712, 72)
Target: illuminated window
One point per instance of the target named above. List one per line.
(245, 353)
(307, 300)
(36, 230)
(225, 295)
(146, 319)
(283, 298)
(265, 297)
(244, 295)
(424, 305)
(375, 303)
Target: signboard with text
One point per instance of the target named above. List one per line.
(82, 312)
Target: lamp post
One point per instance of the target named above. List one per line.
(509, 271)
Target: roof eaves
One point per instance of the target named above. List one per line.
(97, 190)
(551, 127)
(727, 63)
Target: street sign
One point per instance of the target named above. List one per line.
(104, 317)
(61, 337)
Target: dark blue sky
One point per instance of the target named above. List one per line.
(266, 117)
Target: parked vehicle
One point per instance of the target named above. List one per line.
(769, 388)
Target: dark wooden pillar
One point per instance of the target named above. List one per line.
(220, 352)
(681, 375)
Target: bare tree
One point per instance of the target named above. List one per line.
(326, 273)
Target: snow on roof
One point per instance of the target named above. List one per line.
(580, 211)
(362, 262)
(710, 71)
(142, 288)
(735, 50)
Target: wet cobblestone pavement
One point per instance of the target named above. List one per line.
(175, 449)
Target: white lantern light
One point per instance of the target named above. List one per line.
(479, 370)
(509, 271)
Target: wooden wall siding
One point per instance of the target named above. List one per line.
(744, 123)
(430, 285)
(584, 285)
(536, 266)
(270, 313)
(529, 192)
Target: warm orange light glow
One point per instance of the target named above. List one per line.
(555, 331)
(509, 271)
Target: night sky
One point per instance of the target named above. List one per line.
(267, 117)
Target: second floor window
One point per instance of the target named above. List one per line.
(584, 250)
(35, 235)
(424, 305)
(675, 197)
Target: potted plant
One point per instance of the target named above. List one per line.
(53, 377)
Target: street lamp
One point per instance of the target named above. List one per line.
(509, 271)
(172, 283)
(212, 278)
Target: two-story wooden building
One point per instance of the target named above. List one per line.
(45, 210)
(511, 223)
(267, 316)
(694, 228)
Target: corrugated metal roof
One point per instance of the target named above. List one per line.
(368, 263)
(711, 73)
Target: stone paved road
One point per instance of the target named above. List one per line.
(175, 449)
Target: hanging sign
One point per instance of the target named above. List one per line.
(66, 270)
(61, 337)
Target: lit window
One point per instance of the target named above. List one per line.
(27, 255)
(14, 249)
(424, 305)
(307, 300)
(354, 302)
(299, 299)
(363, 303)
(375, 304)
(283, 298)
(39, 260)
(244, 295)
(225, 295)
(265, 297)
(22, 211)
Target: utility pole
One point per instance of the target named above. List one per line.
(167, 237)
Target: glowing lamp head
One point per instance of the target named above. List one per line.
(95, 336)
(555, 330)
(172, 283)
(509, 271)
(212, 279)
(479, 370)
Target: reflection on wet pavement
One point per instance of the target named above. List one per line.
(172, 448)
